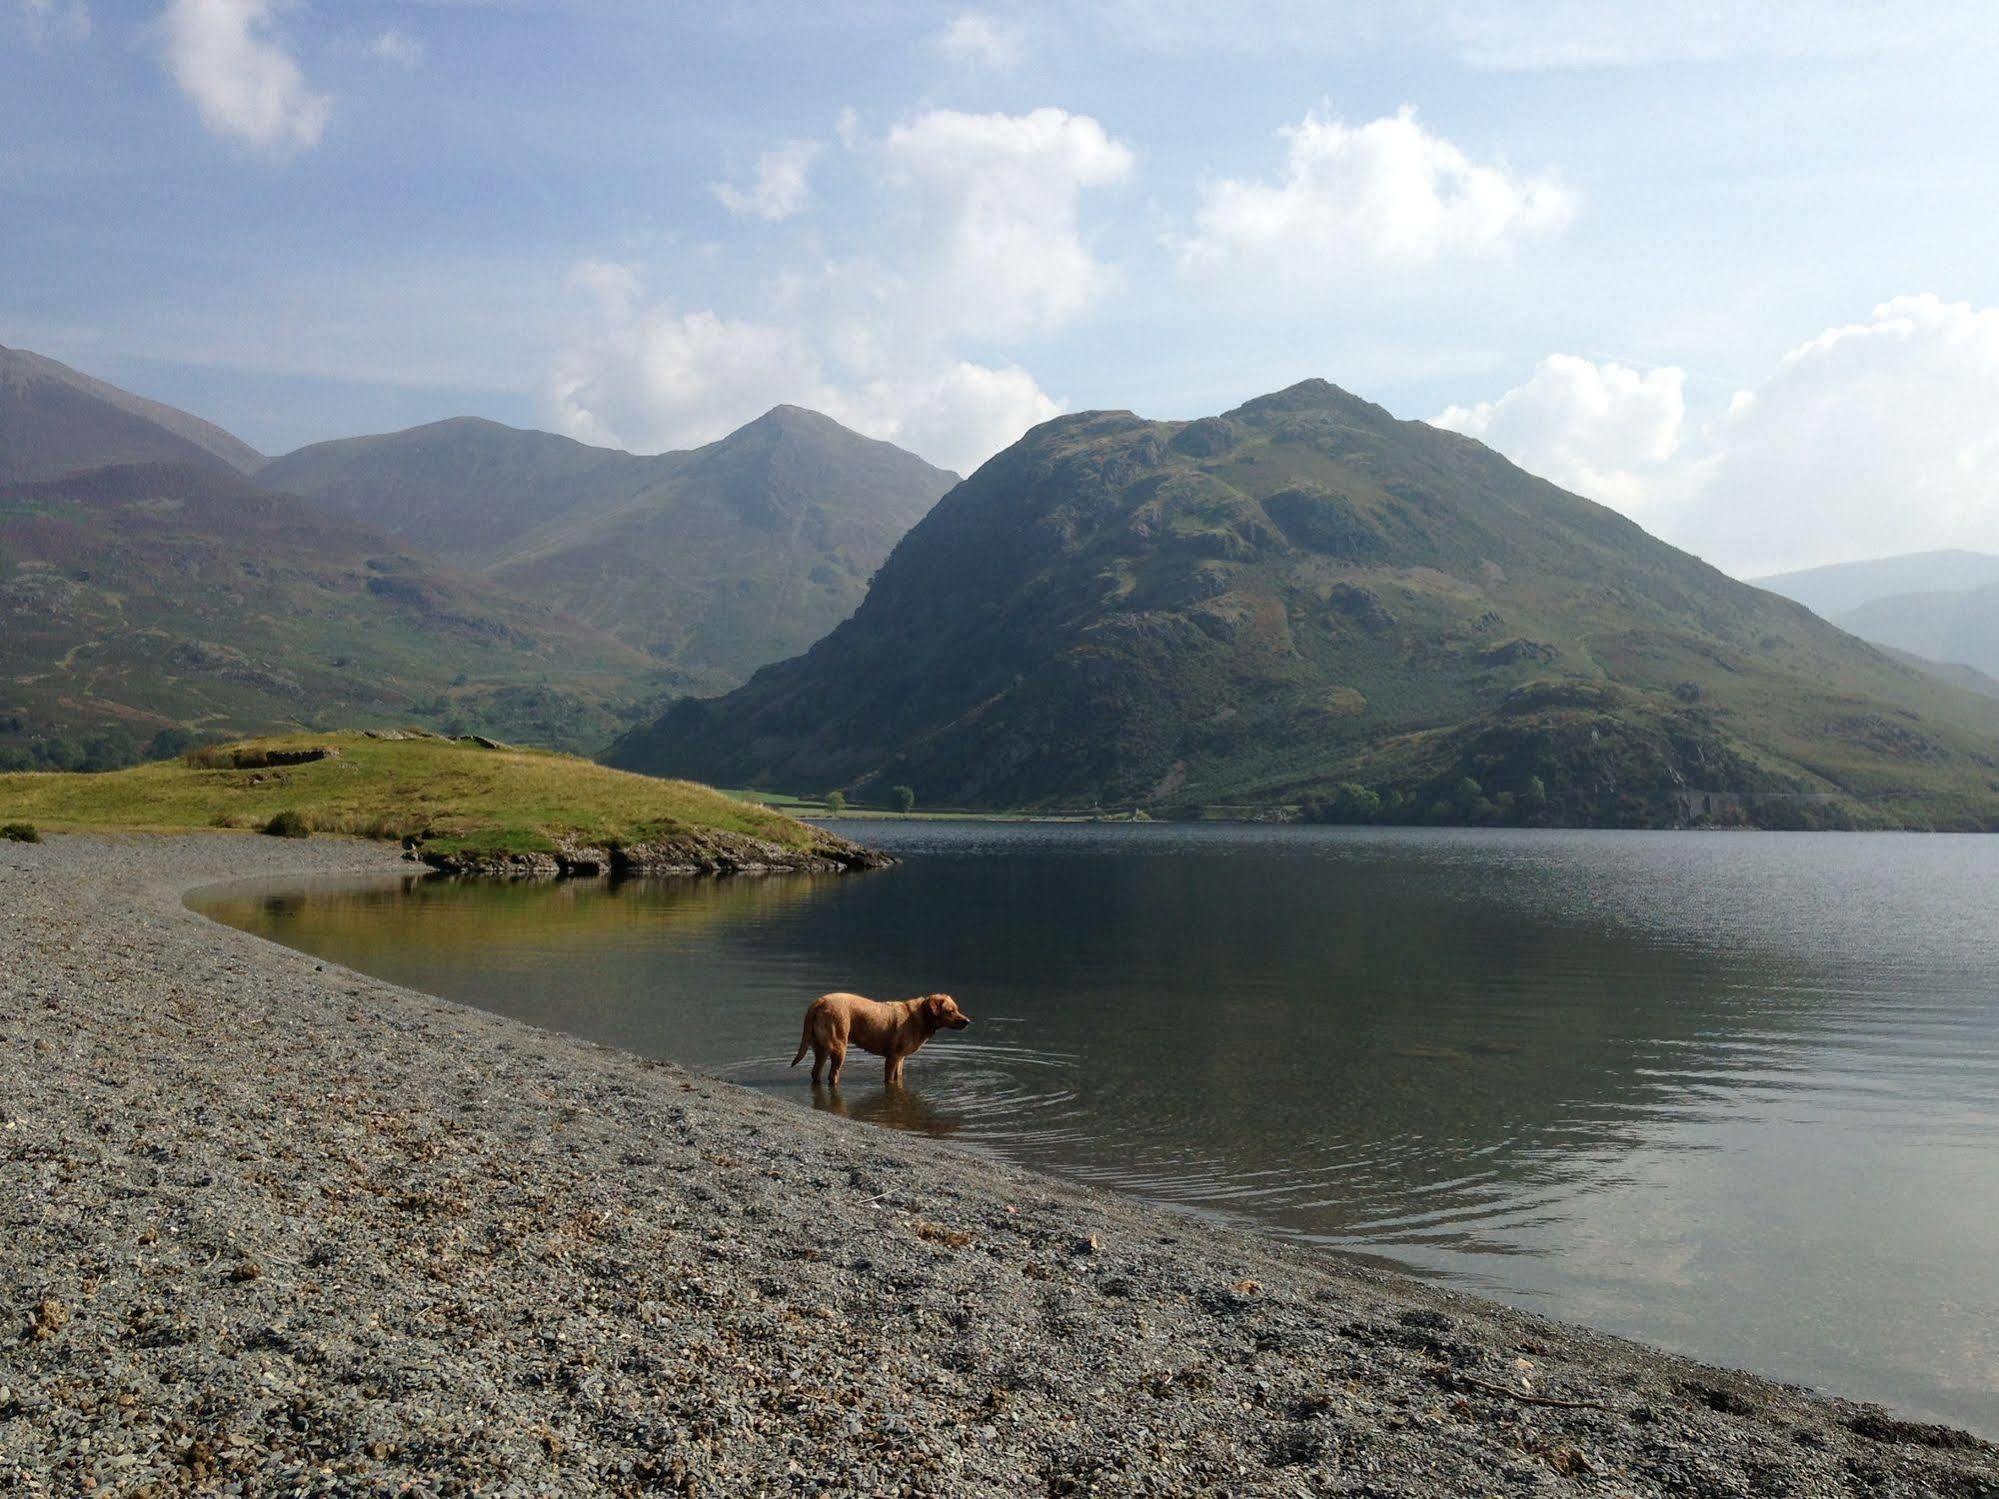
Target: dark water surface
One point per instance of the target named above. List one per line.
(1733, 1094)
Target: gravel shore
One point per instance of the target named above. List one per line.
(271, 1227)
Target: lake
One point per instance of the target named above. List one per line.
(1733, 1094)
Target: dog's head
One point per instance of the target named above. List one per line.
(943, 1011)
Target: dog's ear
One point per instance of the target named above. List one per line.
(937, 1005)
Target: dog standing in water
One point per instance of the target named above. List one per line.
(893, 1030)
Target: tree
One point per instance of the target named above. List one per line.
(1353, 803)
(836, 802)
(904, 797)
(1535, 797)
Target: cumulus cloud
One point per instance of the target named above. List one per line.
(980, 40)
(780, 187)
(1603, 430)
(1870, 439)
(48, 21)
(247, 87)
(652, 378)
(1384, 192)
(987, 204)
(397, 47)
(973, 229)
(1874, 438)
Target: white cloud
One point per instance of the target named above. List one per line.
(973, 232)
(780, 188)
(397, 47)
(987, 209)
(978, 39)
(1385, 192)
(55, 21)
(653, 379)
(1870, 439)
(241, 79)
(1603, 430)
(957, 417)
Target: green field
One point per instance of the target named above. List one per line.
(455, 794)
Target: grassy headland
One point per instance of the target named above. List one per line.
(457, 796)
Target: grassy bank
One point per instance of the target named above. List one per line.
(455, 794)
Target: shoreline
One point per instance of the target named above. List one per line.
(287, 1226)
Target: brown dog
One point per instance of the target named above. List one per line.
(893, 1030)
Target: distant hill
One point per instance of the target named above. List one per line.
(713, 561)
(1958, 628)
(1970, 678)
(55, 420)
(1254, 608)
(145, 597)
(1940, 606)
(1830, 592)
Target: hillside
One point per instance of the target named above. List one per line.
(1251, 609)
(149, 597)
(459, 802)
(55, 420)
(713, 562)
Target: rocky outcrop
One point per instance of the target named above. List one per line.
(695, 852)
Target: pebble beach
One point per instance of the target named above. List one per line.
(269, 1226)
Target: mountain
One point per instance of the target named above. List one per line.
(1958, 627)
(180, 596)
(1970, 678)
(1942, 607)
(713, 561)
(466, 489)
(1251, 609)
(1831, 592)
(55, 420)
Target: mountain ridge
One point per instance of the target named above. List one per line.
(714, 560)
(56, 420)
(1257, 606)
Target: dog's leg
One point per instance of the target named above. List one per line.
(818, 1061)
(838, 1051)
(892, 1074)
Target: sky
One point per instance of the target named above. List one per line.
(1728, 268)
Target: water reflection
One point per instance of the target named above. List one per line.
(895, 1108)
(1736, 1094)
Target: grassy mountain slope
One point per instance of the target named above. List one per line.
(55, 420)
(1831, 592)
(465, 489)
(1250, 608)
(713, 561)
(150, 596)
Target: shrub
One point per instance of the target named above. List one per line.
(904, 797)
(288, 824)
(20, 832)
(836, 802)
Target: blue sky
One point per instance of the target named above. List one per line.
(1728, 268)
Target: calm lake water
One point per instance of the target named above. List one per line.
(1733, 1094)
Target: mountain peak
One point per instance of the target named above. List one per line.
(1307, 396)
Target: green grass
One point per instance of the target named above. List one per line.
(453, 793)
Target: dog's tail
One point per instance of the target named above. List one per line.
(804, 1043)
